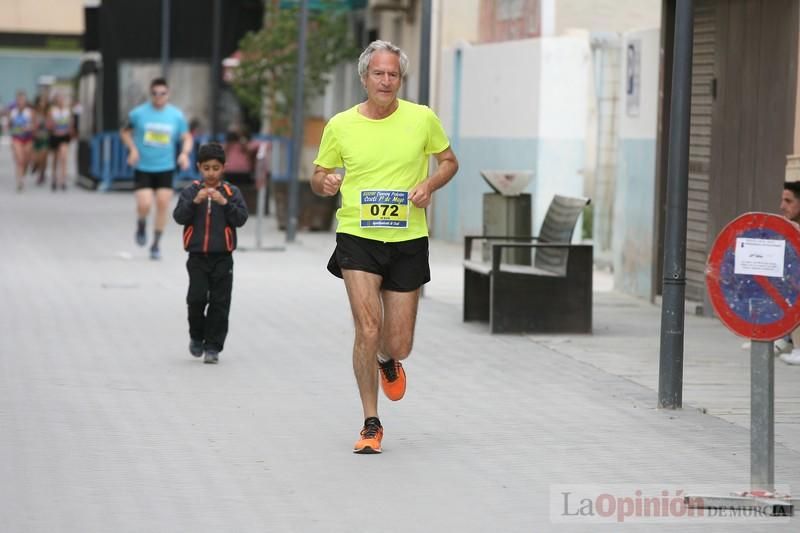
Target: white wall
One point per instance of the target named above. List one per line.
(521, 105)
(565, 74)
(500, 89)
(564, 108)
(527, 88)
(634, 202)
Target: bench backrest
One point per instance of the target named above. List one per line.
(558, 226)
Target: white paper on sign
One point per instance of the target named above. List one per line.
(759, 257)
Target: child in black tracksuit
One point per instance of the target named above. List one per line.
(210, 213)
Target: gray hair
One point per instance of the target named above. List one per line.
(381, 46)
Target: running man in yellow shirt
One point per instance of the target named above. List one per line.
(384, 145)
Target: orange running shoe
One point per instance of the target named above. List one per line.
(393, 379)
(371, 436)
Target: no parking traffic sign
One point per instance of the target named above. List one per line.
(753, 279)
(753, 276)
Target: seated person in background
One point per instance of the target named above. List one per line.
(195, 129)
(240, 153)
(790, 209)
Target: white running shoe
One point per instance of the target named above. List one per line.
(792, 358)
(783, 346)
(780, 346)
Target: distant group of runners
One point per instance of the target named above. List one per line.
(38, 132)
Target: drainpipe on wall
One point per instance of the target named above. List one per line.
(425, 54)
(298, 117)
(603, 178)
(216, 63)
(452, 211)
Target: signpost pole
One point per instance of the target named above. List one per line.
(762, 416)
(750, 279)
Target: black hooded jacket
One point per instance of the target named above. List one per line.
(210, 228)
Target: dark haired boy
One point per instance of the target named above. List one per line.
(790, 209)
(210, 212)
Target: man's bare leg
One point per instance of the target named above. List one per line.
(61, 156)
(363, 291)
(399, 319)
(20, 151)
(163, 198)
(144, 201)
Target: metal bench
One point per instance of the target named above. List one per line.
(551, 294)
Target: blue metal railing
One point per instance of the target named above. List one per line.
(109, 159)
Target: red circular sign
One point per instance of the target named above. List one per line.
(761, 301)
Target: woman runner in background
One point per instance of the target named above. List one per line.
(60, 125)
(20, 120)
(41, 138)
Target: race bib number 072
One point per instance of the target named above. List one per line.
(384, 209)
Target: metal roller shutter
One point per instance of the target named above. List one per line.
(703, 57)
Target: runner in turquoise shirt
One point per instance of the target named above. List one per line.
(156, 132)
(153, 131)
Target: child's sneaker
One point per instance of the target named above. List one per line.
(196, 348)
(155, 253)
(212, 357)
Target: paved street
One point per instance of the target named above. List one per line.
(108, 424)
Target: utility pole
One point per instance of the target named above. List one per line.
(165, 37)
(670, 371)
(297, 125)
(216, 60)
(425, 54)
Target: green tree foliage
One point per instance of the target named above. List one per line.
(269, 59)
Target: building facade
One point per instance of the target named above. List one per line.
(744, 120)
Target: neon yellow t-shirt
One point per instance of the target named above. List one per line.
(383, 160)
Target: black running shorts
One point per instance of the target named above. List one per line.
(55, 141)
(152, 180)
(403, 265)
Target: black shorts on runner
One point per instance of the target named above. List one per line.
(403, 265)
(152, 180)
(57, 140)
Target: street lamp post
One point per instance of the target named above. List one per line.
(165, 36)
(216, 61)
(425, 54)
(670, 372)
(297, 125)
